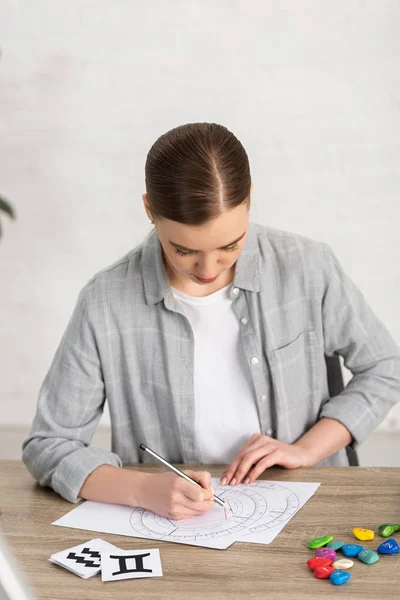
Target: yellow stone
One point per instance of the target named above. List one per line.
(363, 534)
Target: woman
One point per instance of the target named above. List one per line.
(209, 342)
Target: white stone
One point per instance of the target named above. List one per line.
(343, 563)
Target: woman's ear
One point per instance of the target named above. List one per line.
(147, 207)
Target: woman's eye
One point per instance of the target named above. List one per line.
(232, 248)
(191, 253)
(182, 253)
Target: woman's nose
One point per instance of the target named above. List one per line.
(207, 266)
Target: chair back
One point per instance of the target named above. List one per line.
(336, 386)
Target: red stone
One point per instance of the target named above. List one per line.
(323, 572)
(319, 561)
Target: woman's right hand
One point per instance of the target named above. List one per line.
(171, 496)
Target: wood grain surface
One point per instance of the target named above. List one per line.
(348, 497)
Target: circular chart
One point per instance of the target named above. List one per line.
(250, 510)
(282, 503)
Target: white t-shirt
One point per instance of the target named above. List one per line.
(225, 410)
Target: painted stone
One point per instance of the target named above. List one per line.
(389, 547)
(339, 577)
(388, 529)
(351, 550)
(367, 556)
(323, 572)
(335, 545)
(319, 542)
(318, 561)
(326, 553)
(343, 563)
(363, 534)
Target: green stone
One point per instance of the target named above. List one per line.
(367, 556)
(387, 529)
(319, 542)
(335, 545)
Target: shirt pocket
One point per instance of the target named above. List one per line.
(294, 370)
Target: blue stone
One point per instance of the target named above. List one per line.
(352, 550)
(336, 545)
(389, 547)
(339, 577)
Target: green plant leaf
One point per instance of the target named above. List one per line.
(7, 208)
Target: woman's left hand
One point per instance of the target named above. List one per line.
(262, 452)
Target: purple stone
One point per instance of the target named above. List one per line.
(326, 553)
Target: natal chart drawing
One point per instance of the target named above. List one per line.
(252, 509)
(257, 514)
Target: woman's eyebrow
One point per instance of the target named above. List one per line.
(221, 248)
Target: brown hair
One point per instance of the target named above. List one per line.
(196, 171)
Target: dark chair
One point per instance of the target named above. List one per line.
(336, 386)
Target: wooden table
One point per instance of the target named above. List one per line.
(348, 497)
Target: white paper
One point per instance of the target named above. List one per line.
(259, 512)
(130, 564)
(85, 559)
(141, 523)
(283, 501)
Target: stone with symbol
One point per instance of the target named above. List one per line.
(389, 547)
(335, 545)
(318, 561)
(351, 550)
(388, 529)
(323, 572)
(368, 556)
(343, 563)
(363, 534)
(326, 553)
(319, 542)
(339, 577)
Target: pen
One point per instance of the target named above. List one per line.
(178, 471)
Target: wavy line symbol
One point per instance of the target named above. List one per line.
(83, 560)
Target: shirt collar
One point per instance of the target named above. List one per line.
(247, 273)
(156, 285)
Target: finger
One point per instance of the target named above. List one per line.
(192, 492)
(256, 441)
(197, 508)
(226, 477)
(269, 461)
(228, 474)
(251, 440)
(250, 459)
(182, 512)
(180, 515)
(203, 478)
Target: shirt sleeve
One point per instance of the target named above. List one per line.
(352, 330)
(70, 405)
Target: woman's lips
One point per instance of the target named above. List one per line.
(209, 280)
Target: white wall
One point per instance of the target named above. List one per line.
(311, 88)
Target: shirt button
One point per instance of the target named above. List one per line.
(254, 360)
(235, 291)
(243, 321)
(269, 432)
(263, 398)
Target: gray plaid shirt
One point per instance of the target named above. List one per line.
(128, 342)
